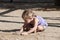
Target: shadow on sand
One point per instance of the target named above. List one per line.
(10, 21)
(53, 24)
(50, 24)
(39, 6)
(23, 6)
(52, 18)
(13, 30)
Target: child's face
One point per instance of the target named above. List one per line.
(28, 20)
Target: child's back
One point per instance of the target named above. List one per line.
(41, 21)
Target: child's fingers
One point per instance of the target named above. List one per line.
(24, 33)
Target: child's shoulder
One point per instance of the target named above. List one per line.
(36, 19)
(40, 18)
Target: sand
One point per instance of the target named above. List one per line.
(11, 21)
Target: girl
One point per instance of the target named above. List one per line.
(32, 22)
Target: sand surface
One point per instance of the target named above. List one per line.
(11, 21)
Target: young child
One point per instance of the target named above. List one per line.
(32, 22)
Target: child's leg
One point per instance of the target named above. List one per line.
(40, 28)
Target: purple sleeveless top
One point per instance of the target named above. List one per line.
(41, 21)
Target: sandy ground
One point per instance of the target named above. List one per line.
(11, 21)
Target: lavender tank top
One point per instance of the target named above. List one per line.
(41, 21)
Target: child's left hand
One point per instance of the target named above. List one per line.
(24, 33)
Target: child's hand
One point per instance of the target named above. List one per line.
(24, 33)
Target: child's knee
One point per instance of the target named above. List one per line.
(40, 28)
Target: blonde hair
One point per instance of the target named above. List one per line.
(28, 13)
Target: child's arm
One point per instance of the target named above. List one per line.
(35, 26)
(21, 30)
